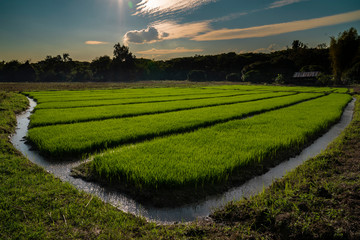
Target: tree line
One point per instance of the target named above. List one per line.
(339, 64)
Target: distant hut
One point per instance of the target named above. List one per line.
(306, 78)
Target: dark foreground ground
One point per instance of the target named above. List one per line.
(319, 200)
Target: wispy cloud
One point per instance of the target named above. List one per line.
(279, 28)
(160, 7)
(174, 30)
(166, 30)
(95, 43)
(229, 17)
(155, 51)
(276, 4)
(282, 3)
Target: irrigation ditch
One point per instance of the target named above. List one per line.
(179, 214)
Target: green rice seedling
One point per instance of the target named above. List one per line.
(281, 88)
(131, 100)
(212, 155)
(64, 96)
(43, 117)
(80, 138)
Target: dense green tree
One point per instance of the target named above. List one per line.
(101, 68)
(344, 52)
(123, 64)
(122, 53)
(254, 67)
(253, 76)
(296, 44)
(233, 77)
(197, 75)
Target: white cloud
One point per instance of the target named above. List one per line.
(282, 3)
(155, 51)
(95, 43)
(279, 28)
(148, 35)
(160, 7)
(166, 30)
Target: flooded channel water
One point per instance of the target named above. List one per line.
(180, 214)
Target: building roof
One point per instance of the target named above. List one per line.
(306, 74)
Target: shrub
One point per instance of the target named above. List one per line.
(353, 74)
(233, 77)
(280, 79)
(325, 80)
(196, 75)
(252, 76)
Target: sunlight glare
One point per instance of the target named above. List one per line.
(121, 3)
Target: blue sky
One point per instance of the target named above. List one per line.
(164, 29)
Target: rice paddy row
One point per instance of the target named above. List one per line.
(64, 96)
(81, 138)
(43, 117)
(150, 99)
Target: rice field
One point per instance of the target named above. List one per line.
(77, 138)
(43, 117)
(171, 138)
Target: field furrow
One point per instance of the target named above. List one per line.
(80, 138)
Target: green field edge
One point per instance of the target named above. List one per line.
(67, 213)
(33, 125)
(107, 145)
(175, 196)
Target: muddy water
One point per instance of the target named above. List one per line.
(185, 213)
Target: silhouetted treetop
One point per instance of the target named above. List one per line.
(122, 53)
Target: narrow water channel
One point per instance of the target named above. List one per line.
(180, 214)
